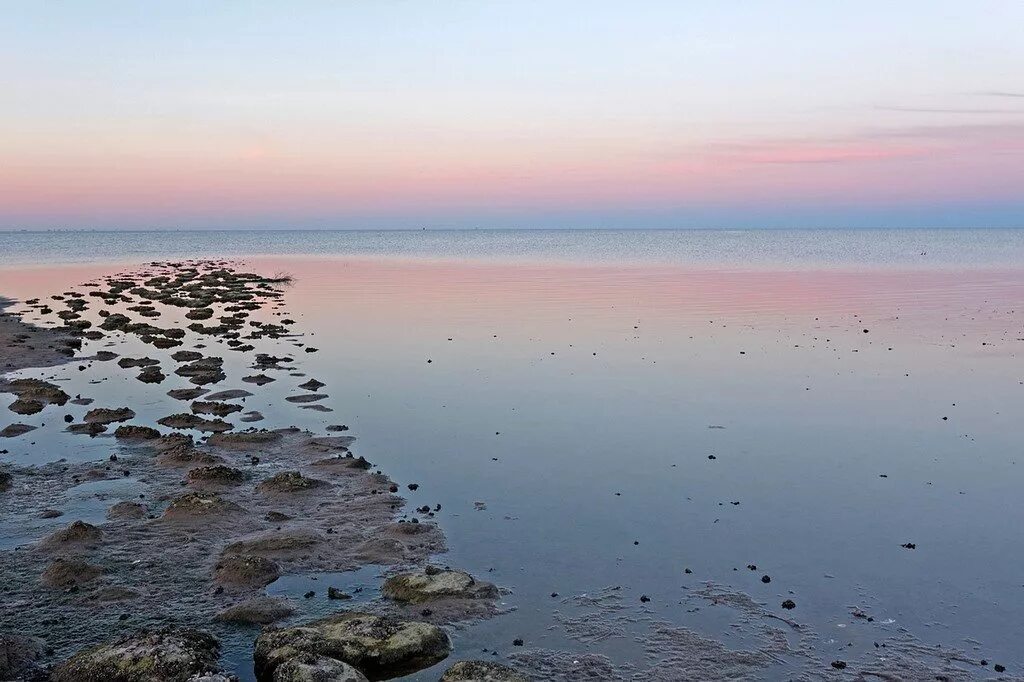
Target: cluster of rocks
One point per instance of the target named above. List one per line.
(257, 505)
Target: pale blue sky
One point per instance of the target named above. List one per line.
(352, 114)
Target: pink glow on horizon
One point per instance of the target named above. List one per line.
(941, 164)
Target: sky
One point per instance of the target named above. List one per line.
(457, 114)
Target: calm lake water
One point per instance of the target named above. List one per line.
(857, 391)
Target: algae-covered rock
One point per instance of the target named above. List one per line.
(379, 646)
(313, 668)
(167, 655)
(482, 671)
(416, 588)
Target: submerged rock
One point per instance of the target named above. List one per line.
(380, 647)
(416, 588)
(168, 655)
(482, 671)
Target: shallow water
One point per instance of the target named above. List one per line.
(579, 403)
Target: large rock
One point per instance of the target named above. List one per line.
(257, 611)
(18, 656)
(242, 570)
(313, 668)
(482, 671)
(378, 646)
(433, 583)
(69, 572)
(77, 534)
(168, 655)
(106, 415)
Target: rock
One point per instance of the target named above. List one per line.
(105, 355)
(244, 440)
(46, 513)
(417, 588)
(257, 611)
(242, 570)
(231, 394)
(216, 475)
(286, 544)
(76, 534)
(15, 430)
(335, 593)
(312, 385)
(186, 393)
(381, 647)
(186, 356)
(127, 363)
(345, 462)
(130, 432)
(193, 505)
(37, 390)
(313, 668)
(104, 415)
(307, 398)
(215, 408)
(18, 656)
(114, 593)
(151, 375)
(127, 510)
(258, 379)
(93, 429)
(482, 671)
(26, 407)
(167, 655)
(191, 421)
(250, 417)
(288, 482)
(68, 572)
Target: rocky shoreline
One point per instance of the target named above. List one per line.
(177, 571)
